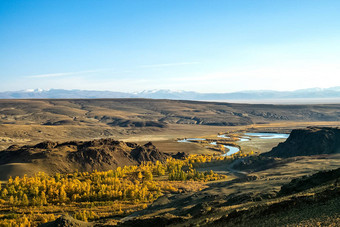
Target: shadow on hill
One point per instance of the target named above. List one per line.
(52, 157)
(312, 141)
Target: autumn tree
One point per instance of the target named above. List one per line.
(24, 200)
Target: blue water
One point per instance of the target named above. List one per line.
(268, 135)
(232, 150)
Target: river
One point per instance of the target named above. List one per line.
(233, 149)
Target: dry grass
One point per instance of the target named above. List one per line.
(22, 121)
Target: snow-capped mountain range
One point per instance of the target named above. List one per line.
(311, 93)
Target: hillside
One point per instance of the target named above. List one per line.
(281, 194)
(53, 157)
(310, 141)
(314, 205)
(155, 113)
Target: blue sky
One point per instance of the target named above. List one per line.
(205, 46)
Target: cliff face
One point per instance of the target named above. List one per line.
(309, 141)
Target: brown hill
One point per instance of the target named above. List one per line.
(66, 221)
(309, 141)
(307, 182)
(52, 157)
(155, 112)
(301, 142)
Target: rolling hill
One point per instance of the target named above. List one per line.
(52, 157)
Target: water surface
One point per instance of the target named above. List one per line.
(232, 150)
(268, 135)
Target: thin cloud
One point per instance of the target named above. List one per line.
(62, 74)
(169, 64)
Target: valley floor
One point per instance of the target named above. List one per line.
(242, 197)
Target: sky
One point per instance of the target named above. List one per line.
(193, 45)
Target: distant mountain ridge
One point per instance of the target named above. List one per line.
(316, 93)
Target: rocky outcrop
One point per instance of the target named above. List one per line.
(180, 155)
(307, 182)
(62, 122)
(155, 221)
(301, 142)
(66, 221)
(309, 141)
(131, 123)
(147, 153)
(102, 154)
